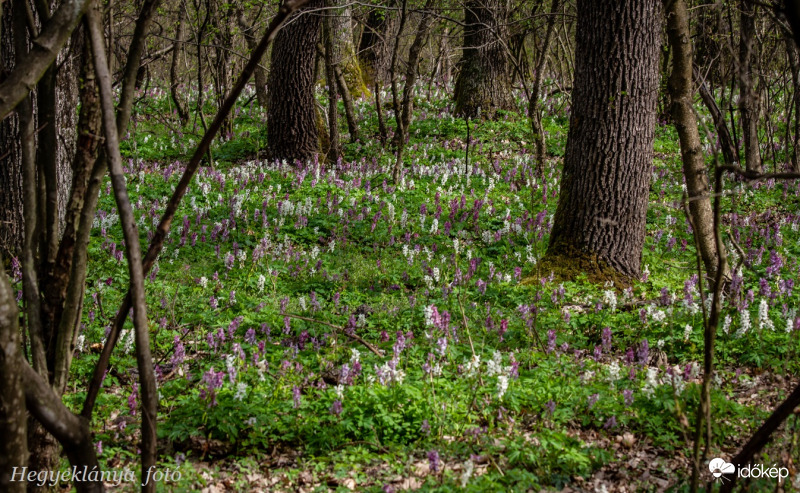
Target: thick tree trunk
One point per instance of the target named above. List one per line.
(483, 82)
(602, 206)
(291, 119)
(10, 150)
(748, 97)
(682, 96)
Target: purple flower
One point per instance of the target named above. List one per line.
(611, 423)
(643, 352)
(426, 427)
(132, 401)
(433, 458)
(627, 394)
(606, 339)
(551, 407)
(551, 341)
(593, 400)
(336, 407)
(296, 396)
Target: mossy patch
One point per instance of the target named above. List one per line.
(570, 264)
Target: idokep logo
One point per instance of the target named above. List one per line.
(719, 467)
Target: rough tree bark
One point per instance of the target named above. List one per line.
(748, 97)
(14, 445)
(682, 97)
(483, 81)
(292, 132)
(602, 206)
(10, 149)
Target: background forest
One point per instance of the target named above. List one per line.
(323, 245)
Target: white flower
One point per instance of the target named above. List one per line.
(302, 302)
(473, 366)
(763, 316)
(495, 365)
(82, 339)
(687, 332)
(789, 325)
(203, 282)
(744, 323)
(355, 355)
(339, 389)
(502, 386)
(726, 324)
(261, 281)
(466, 474)
(659, 316)
(613, 372)
(241, 391)
(650, 383)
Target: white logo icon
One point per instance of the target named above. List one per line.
(718, 467)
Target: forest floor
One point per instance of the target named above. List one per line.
(317, 328)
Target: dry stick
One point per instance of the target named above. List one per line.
(144, 360)
(710, 333)
(355, 337)
(30, 283)
(161, 231)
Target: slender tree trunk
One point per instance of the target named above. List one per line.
(748, 97)
(344, 50)
(412, 67)
(291, 120)
(349, 110)
(602, 206)
(483, 82)
(374, 49)
(260, 74)
(534, 112)
(334, 149)
(682, 98)
(723, 133)
(177, 48)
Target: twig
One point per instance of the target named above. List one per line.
(144, 359)
(355, 337)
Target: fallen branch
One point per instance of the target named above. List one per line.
(353, 336)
